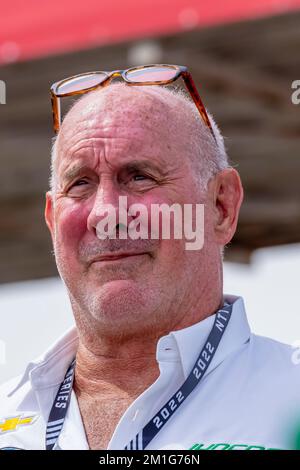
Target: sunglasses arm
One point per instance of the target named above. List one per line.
(55, 112)
(189, 83)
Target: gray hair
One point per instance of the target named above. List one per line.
(209, 155)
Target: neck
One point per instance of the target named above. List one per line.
(124, 367)
(116, 369)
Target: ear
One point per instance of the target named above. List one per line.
(49, 216)
(227, 199)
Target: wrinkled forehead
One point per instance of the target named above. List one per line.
(152, 112)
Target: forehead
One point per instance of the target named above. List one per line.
(128, 125)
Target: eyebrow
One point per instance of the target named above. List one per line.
(74, 171)
(132, 166)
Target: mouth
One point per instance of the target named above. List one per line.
(104, 259)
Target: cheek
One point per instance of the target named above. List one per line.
(71, 225)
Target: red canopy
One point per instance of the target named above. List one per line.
(35, 28)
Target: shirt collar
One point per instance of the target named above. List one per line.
(49, 369)
(190, 341)
(182, 345)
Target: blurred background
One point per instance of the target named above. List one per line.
(244, 57)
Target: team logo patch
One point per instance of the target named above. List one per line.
(13, 423)
(227, 446)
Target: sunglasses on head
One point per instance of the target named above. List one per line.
(156, 74)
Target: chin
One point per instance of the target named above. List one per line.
(117, 301)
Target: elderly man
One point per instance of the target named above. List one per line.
(159, 358)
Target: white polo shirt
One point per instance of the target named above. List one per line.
(249, 398)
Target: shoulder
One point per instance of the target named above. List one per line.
(44, 372)
(12, 394)
(275, 358)
(272, 348)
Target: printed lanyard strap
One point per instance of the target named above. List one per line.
(59, 408)
(152, 428)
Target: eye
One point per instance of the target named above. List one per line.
(79, 186)
(141, 177)
(79, 182)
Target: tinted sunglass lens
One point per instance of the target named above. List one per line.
(151, 74)
(83, 82)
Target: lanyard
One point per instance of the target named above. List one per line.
(59, 408)
(144, 437)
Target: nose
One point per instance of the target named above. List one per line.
(107, 201)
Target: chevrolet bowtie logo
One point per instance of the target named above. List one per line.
(13, 423)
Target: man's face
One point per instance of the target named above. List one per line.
(133, 150)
